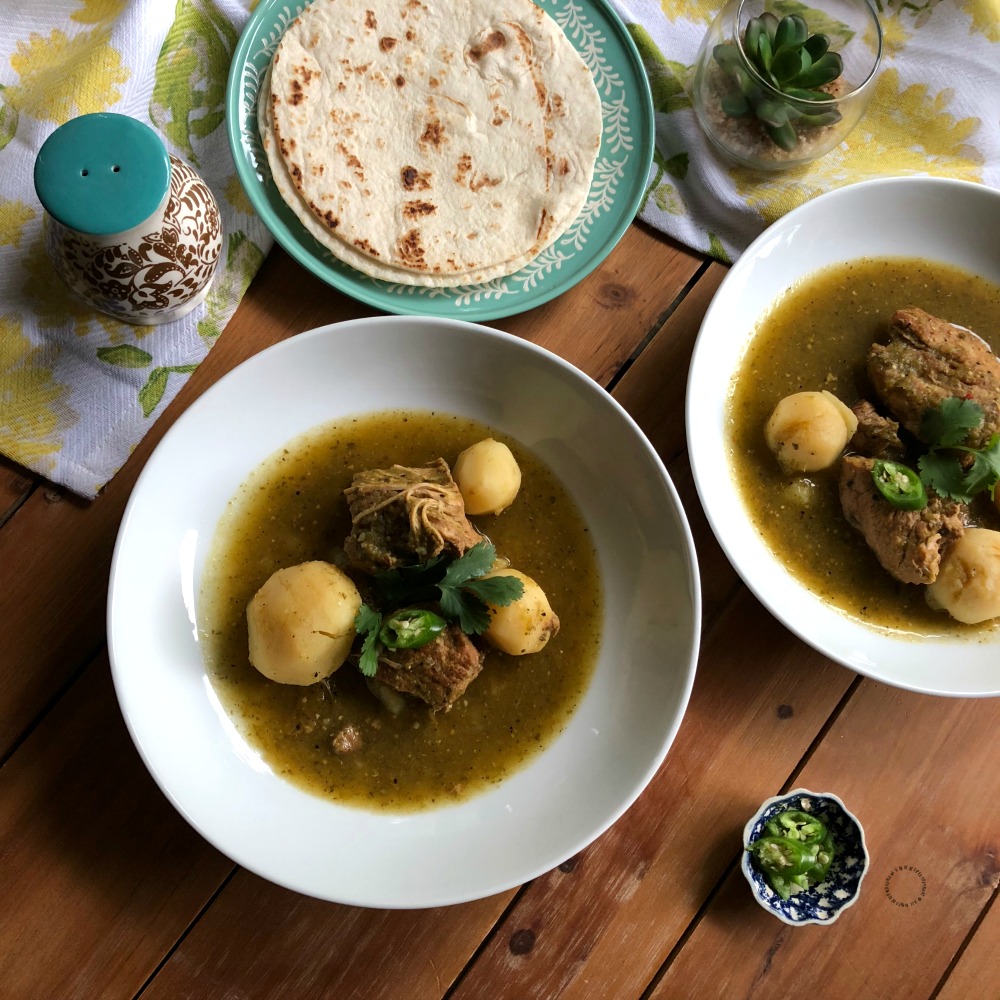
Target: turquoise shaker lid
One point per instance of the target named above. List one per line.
(102, 173)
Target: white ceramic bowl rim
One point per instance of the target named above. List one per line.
(941, 219)
(537, 817)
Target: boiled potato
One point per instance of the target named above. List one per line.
(968, 584)
(525, 625)
(488, 477)
(301, 623)
(808, 430)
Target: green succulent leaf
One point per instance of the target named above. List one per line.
(770, 23)
(736, 105)
(727, 56)
(817, 45)
(784, 136)
(792, 32)
(788, 64)
(825, 118)
(765, 52)
(776, 114)
(824, 70)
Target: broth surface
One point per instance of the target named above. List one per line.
(816, 337)
(291, 510)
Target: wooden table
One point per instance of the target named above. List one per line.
(105, 891)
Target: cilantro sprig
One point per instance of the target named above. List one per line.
(368, 622)
(456, 584)
(942, 469)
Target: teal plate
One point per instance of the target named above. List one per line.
(619, 177)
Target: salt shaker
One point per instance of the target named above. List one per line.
(131, 229)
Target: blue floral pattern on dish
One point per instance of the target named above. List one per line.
(825, 901)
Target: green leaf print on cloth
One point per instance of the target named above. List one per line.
(79, 389)
(189, 92)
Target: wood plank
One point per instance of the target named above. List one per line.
(100, 874)
(15, 485)
(653, 392)
(259, 940)
(976, 968)
(902, 763)
(757, 704)
(600, 322)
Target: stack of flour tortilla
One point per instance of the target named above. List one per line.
(428, 142)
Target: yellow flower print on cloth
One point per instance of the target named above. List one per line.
(32, 410)
(62, 77)
(934, 112)
(78, 390)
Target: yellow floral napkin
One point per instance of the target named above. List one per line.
(936, 110)
(77, 389)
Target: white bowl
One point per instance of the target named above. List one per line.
(540, 815)
(954, 222)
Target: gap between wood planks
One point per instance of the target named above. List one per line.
(86, 660)
(734, 864)
(658, 325)
(183, 936)
(966, 941)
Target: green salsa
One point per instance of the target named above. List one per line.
(292, 510)
(816, 336)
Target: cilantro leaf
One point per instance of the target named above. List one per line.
(469, 611)
(943, 474)
(368, 622)
(477, 561)
(984, 472)
(945, 427)
(498, 590)
(948, 424)
(456, 585)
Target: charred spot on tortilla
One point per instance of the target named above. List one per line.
(410, 250)
(496, 39)
(414, 209)
(462, 168)
(415, 180)
(525, 109)
(433, 135)
(480, 181)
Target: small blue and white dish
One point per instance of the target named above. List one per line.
(824, 902)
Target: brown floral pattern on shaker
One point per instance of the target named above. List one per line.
(156, 273)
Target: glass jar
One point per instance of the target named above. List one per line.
(768, 103)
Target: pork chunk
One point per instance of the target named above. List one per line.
(437, 673)
(876, 436)
(926, 361)
(908, 543)
(403, 516)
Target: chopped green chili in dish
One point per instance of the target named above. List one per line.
(795, 853)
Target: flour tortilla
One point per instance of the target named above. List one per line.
(431, 146)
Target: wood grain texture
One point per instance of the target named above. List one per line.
(975, 970)
(99, 875)
(262, 941)
(108, 893)
(757, 705)
(898, 761)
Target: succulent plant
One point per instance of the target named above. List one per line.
(794, 63)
